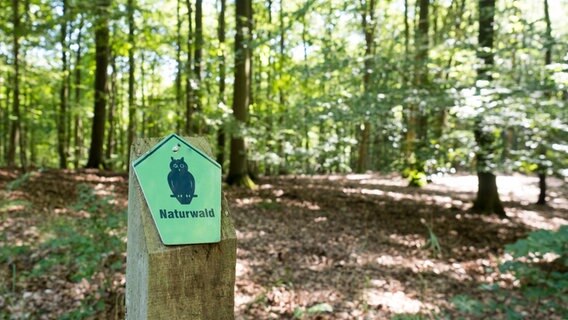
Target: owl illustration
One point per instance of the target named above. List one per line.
(181, 181)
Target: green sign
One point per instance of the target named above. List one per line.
(182, 186)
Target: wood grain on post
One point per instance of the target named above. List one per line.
(176, 282)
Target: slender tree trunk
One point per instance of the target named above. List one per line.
(102, 52)
(189, 91)
(281, 94)
(111, 143)
(3, 115)
(487, 200)
(238, 173)
(406, 31)
(14, 137)
(179, 65)
(198, 65)
(547, 60)
(369, 25)
(222, 70)
(131, 72)
(485, 38)
(416, 117)
(63, 93)
(78, 120)
(421, 73)
(250, 28)
(143, 95)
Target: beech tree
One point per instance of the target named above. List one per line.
(238, 171)
(487, 199)
(102, 53)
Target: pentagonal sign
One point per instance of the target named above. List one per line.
(182, 187)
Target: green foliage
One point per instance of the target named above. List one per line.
(432, 244)
(84, 244)
(320, 308)
(415, 177)
(17, 183)
(539, 265)
(410, 316)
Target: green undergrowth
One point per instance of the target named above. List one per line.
(86, 244)
(539, 265)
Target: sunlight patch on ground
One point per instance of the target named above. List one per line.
(397, 302)
(536, 220)
(390, 182)
(521, 188)
(303, 204)
(13, 205)
(242, 268)
(247, 201)
(410, 240)
(377, 192)
(246, 235)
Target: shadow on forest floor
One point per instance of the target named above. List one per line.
(353, 245)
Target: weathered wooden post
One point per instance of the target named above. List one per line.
(178, 280)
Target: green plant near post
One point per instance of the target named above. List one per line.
(84, 246)
(540, 266)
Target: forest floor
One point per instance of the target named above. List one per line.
(309, 247)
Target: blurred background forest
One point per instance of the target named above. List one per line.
(332, 113)
(328, 86)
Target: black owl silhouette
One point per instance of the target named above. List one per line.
(181, 181)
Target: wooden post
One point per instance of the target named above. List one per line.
(176, 282)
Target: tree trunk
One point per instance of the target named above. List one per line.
(78, 126)
(416, 118)
(487, 200)
(485, 38)
(369, 25)
(189, 98)
(102, 51)
(179, 65)
(222, 70)
(110, 145)
(14, 137)
(238, 173)
(63, 94)
(487, 195)
(542, 187)
(547, 60)
(281, 94)
(131, 70)
(421, 79)
(197, 66)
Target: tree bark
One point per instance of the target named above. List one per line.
(487, 195)
(14, 137)
(221, 139)
(485, 38)
(63, 94)
(178, 57)
(369, 26)
(197, 66)
(281, 94)
(238, 173)
(102, 52)
(78, 126)
(416, 117)
(547, 60)
(487, 200)
(111, 143)
(131, 72)
(189, 94)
